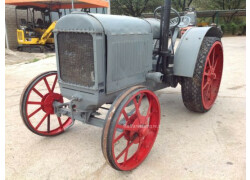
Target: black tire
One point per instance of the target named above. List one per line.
(191, 88)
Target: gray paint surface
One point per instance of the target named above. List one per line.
(187, 51)
(122, 25)
(155, 25)
(122, 63)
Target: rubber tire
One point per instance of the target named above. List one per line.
(191, 87)
(24, 97)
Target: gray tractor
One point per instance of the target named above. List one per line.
(108, 68)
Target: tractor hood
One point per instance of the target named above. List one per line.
(109, 24)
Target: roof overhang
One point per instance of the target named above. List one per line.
(59, 4)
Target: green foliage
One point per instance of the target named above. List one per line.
(223, 27)
(137, 7)
(220, 4)
(129, 7)
(35, 60)
(180, 5)
(234, 28)
(242, 28)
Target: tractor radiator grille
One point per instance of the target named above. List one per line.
(76, 58)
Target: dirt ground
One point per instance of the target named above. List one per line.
(189, 145)
(16, 57)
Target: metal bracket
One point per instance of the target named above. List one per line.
(68, 109)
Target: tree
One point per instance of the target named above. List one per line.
(137, 7)
(221, 5)
(181, 5)
(129, 7)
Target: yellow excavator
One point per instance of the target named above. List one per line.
(35, 30)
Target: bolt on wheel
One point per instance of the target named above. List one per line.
(37, 109)
(131, 128)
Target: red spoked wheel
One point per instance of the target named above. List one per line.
(199, 92)
(131, 128)
(212, 75)
(36, 106)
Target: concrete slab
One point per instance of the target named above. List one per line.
(188, 146)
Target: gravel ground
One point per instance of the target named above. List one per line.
(188, 146)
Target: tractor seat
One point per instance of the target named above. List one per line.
(23, 22)
(40, 23)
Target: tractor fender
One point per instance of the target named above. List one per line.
(188, 49)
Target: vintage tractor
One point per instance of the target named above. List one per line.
(112, 64)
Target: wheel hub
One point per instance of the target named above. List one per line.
(48, 101)
(140, 128)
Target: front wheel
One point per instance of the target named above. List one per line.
(36, 106)
(131, 128)
(199, 93)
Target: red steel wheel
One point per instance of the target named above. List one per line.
(131, 128)
(212, 75)
(36, 106)
(199, 92)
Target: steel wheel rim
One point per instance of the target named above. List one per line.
(212, 75)
(145, 140)
(45, 105)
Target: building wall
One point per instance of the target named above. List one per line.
(10, 22)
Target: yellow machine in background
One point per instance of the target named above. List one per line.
(36, 30)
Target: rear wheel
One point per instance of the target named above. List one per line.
(199, 93)
(131, 128)
(36, 106)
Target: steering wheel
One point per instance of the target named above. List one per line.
(173, 22)
(157, 14)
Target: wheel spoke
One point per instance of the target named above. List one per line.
(204, 87)
(136, 107)
(119, 137)
(125, 115)
(126, 149)
(54, 84)
(47, 84)
(208, 90)
(206, 74)
(126, 153)
(48, 123)
(37, 92)
(211, 92)
(39, 124)
(35, 103)
(36, 111)
(215, 64)
(140, 99)
(60, 122)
